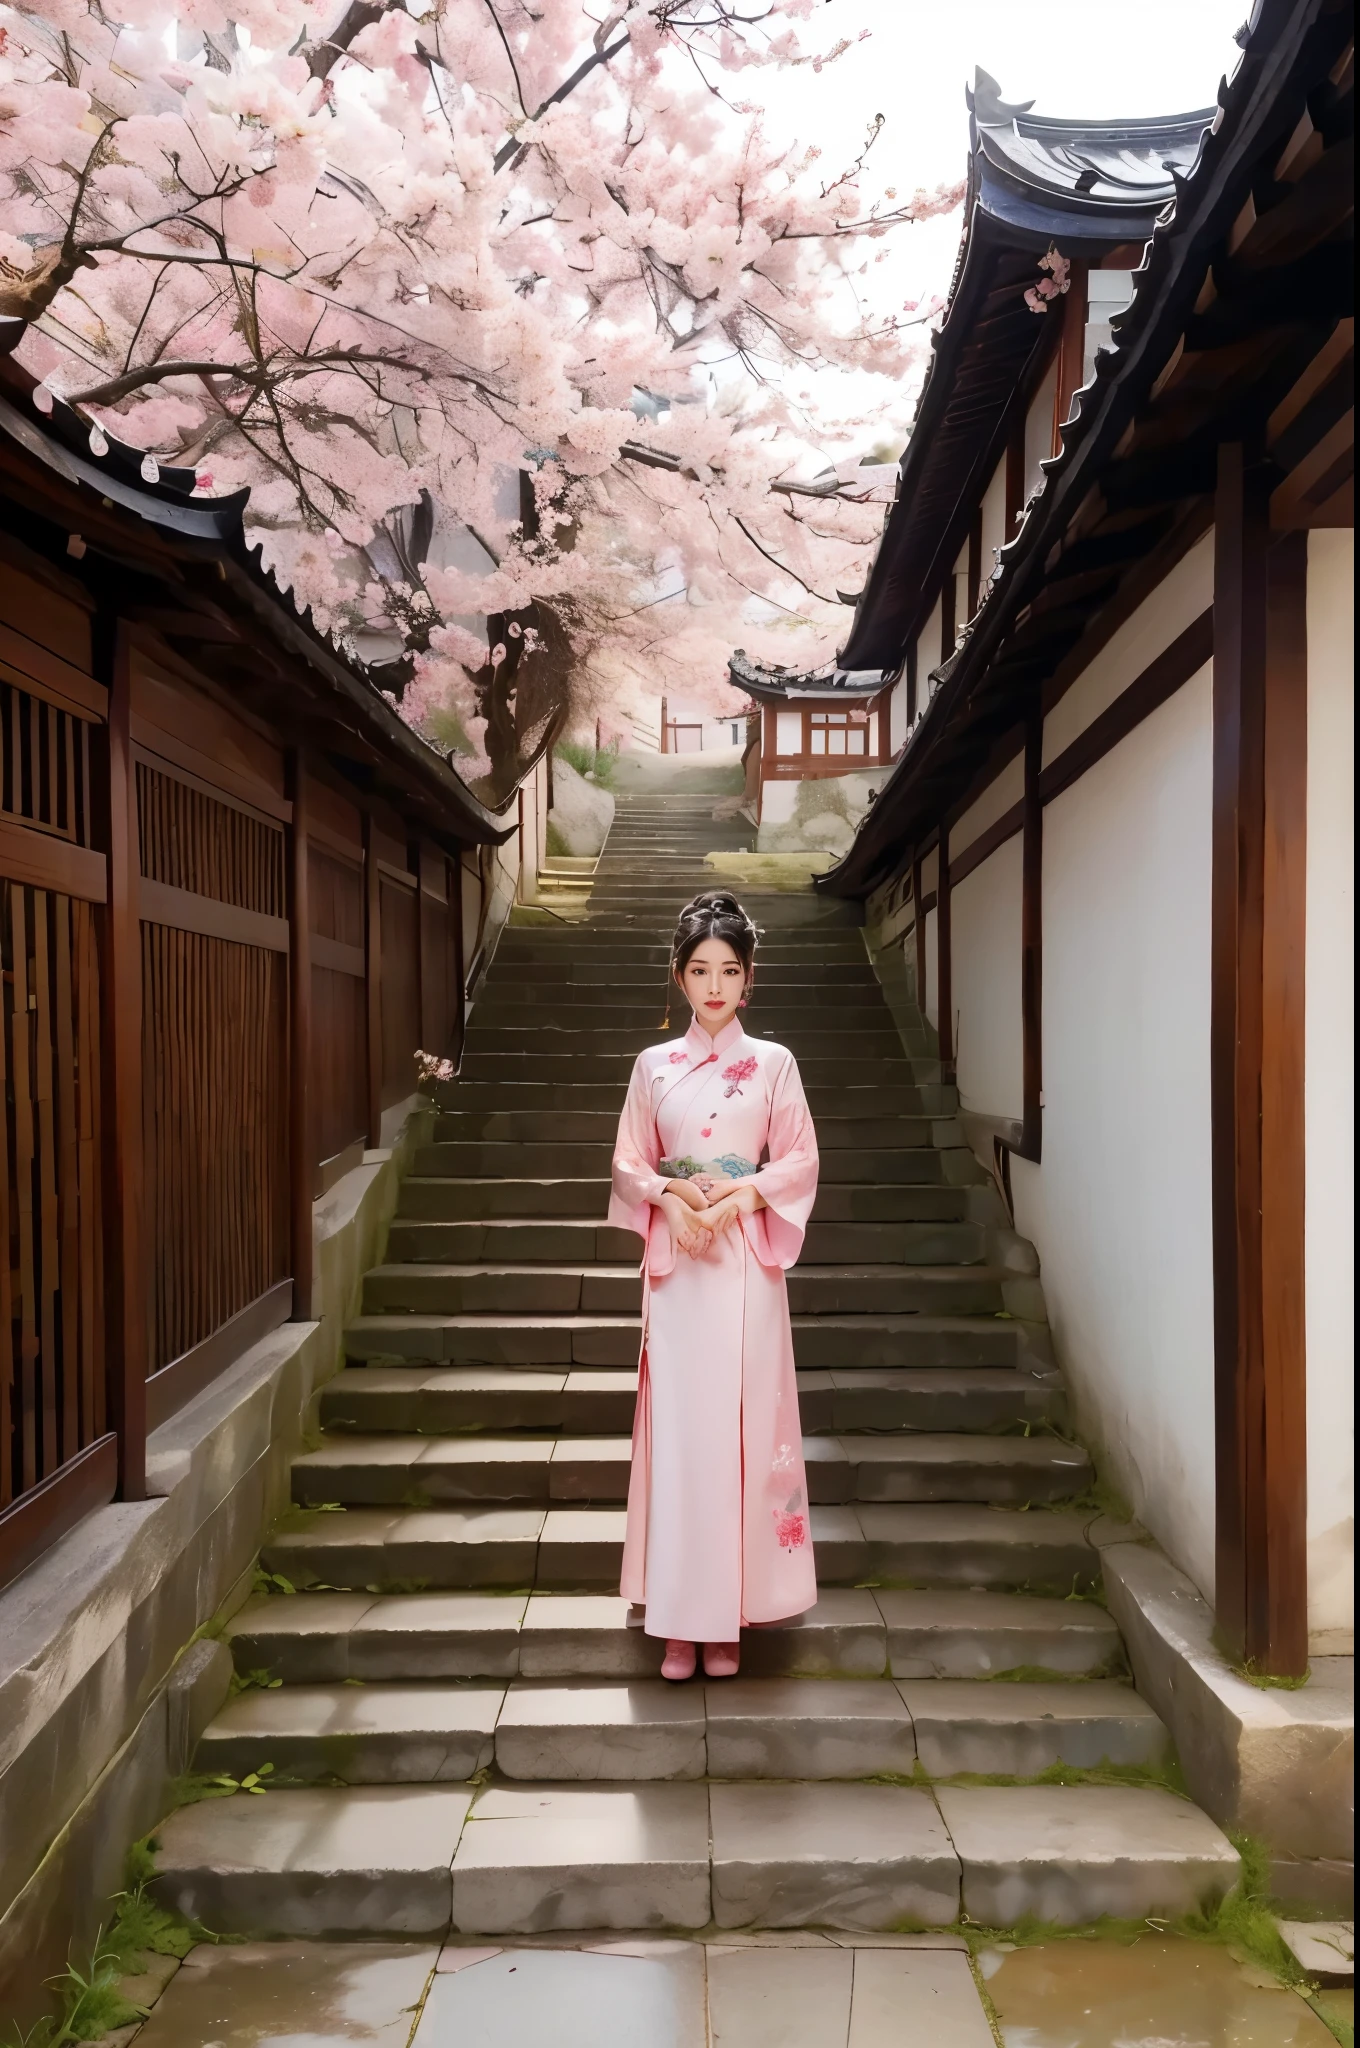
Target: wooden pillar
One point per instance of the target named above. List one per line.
(1256, 1073)
(664, 748)
(1278, 1601)
(911, 685)
(302, 1163)
(943, 964)
(1031, 939)
(125, 1249)
(373, 982)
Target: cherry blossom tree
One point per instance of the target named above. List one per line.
(504, 312)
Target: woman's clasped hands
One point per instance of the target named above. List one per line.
(698, 1211)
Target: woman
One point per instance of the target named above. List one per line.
(716, 1169)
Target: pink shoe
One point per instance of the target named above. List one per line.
(722, 1660)
(679, 1659)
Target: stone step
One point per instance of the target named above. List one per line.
(843, 1036)
(418, 1861)
(568, 1126)
(426, 1289)
(656, 916)
(447, 1400)
(546, 981)
(575, 1549)
(547, 943)
(561, 1160)
(963, 1343)
(442, 1198)
(624, 1730)
(325, 1638)
(897, 1070)
(399, 1469)
(580, 1241)
(779, 994)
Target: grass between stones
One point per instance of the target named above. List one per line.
(95, 2002)
(1243, 1922)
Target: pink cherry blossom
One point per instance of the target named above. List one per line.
(494, 310)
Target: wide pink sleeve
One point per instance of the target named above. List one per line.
(637, 1151)
(788, 1180)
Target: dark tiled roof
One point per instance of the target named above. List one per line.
(224, 597)
(774, 684)
(1086, 186)
(1138, 457)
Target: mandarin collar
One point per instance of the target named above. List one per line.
(703, 1048)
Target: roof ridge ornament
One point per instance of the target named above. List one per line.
(986, 104)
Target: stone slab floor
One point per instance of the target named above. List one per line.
(799, 1990)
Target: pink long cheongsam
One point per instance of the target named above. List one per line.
(717, 1499)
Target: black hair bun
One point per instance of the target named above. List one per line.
(714, 914)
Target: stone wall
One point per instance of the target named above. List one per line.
(103, 1688)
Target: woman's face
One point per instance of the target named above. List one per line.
(714, 982)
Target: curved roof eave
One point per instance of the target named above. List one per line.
(214, 529)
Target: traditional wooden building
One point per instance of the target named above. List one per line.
(1114, 859)
(809, 725)
(237, 896)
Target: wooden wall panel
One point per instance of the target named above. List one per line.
(44, 765)
(215, 1124)
(214, 1069)
(52, 1403)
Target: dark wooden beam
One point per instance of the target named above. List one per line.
(1241, 530)
(1256, 1072)
(1278, 1592)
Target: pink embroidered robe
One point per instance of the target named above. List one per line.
(717, 1500)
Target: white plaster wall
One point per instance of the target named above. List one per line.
(932, 1002)
(1120, 1207)
(1039, 425)
(995, 801)
(1329, 1107)
(777, 800)
(897, 715)
(993, 520)
(927, 654)
(984, 934)
(1177, 601)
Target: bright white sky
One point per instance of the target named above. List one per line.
(1071, 57)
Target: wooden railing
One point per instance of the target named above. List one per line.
(218, 964)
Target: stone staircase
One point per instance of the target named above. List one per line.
(472, 1735)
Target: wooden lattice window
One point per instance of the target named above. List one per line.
(839, 732)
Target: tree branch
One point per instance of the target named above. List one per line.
(508, 151)
(154, 373)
